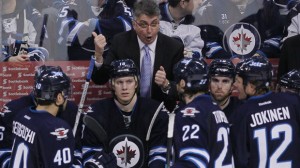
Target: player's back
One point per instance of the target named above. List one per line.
(268, 131)
(8, 112)
(201, 134)
(41, 140)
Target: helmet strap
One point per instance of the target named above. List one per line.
(124, 104)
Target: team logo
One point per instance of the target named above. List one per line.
(60, 133)
(189, 112)
(242, 40)
(89, 110)
(129, 151)
(4, 111)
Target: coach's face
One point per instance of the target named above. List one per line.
(146, 28)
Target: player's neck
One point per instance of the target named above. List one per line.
(128, 107)
(224, 103)
(189, 98)
(52, 109)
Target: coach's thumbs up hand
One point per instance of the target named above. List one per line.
(161, 78)
(100, 42)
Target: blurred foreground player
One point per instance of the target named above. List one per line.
(290, 82)
(12, 109)
(42, 128)
(266, 132)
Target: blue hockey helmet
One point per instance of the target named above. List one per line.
(49, 82)
(221, 67)
(44, 68)
(193, 72)
(255, 68)
(124, 67)
(291, 80)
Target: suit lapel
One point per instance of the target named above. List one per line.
(134, 48)
(158, 53)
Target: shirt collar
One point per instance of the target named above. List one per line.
(151, 46)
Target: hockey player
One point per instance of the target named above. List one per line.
(290, 82)
(266, 133)
(37, 128)
(12, 109)
(176, 21)
(126, 119)
(201, 131)
(221, 73)
(238, 83)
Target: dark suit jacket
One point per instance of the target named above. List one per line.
(125, 45)
(290, 56)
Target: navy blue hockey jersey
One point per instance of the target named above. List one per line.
(126, 135)
(41, 140)
(230, 109)
(201, 135)
(267, 133)
(12, 109)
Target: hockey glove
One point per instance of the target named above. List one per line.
(102, 160)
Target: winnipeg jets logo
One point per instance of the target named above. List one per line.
(4, 110)
(89, 110)
(242, 39)
(60, 133)
(127, 152)
(56, 74)
(189, 112)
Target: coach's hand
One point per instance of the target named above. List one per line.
(102, 160)
(100, 43)
(161, 78)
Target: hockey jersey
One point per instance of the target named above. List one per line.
(41, 140)
(126, 135)
(12, 109)
(266, 131)
(201, 135)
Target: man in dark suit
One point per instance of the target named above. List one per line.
(289, 58)
(164, 51)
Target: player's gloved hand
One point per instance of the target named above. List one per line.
(102, 160)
